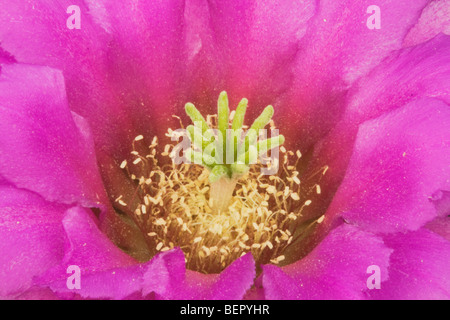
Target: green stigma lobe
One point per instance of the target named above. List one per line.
(263, 119)
(238, 120)
(228, 153)
(196, 116)
(268, 144)
(223, 113)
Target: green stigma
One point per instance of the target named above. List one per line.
(227, 151)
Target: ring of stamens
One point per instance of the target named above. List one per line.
(172, 205)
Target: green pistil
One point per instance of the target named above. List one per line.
(227, 156)
(212, 152)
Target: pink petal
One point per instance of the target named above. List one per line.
(48, 149)
(35, 32)
(433, 20)
(119, 68)
(168, 278)
(108, 273)
(31, 238)
(105, 270)
(146, 60)
(337, 49)
(440, 226)
(399, 161)
(244, 47)
(44, 147)
(335, 269)
(341, 40)
(418, 267)
(235, 280)
(441, 201)
(402, 77)
(36, 293)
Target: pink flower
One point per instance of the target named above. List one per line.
(367, 106)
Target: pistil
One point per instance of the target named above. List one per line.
(220, 194)
(227, 153)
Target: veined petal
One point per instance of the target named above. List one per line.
(147, 52)
(108, 64)
(340, 33)
(48, 149)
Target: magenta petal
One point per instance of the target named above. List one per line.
(31, 238)
(35, 32)
(341, 40)
(441, 201)
(244, 47)
(403, 77)
(399, 161)
(88, 247)
(165, 274)
(116, 283)
(106, 271)
(235, 280)
(335, 269)
(36, 293)
(277, 285)
(433, 20)
(337, 49)
(148, 57)
(418, 267)
(441, 224)
(167, 277)
(43, 149)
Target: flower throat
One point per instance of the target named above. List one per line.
(214, 209)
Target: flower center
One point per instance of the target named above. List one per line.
(217, 211)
